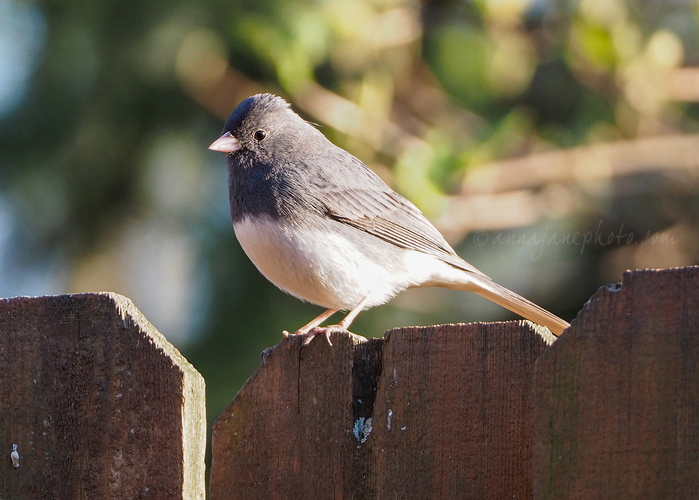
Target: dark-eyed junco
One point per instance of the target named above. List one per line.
(320, 225)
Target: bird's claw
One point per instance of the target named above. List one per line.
(314, 332)
(308, 337)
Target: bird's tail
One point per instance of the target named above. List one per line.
(518, 304)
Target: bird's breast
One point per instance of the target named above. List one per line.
(318, 264)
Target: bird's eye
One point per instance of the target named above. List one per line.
(260, 135)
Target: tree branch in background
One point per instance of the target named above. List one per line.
(521, 191)
(579, 165)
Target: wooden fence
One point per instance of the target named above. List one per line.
(101, 406)
(98, 403)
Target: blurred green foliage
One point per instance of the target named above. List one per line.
(106, 183)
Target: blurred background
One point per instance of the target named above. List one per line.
(555, 143)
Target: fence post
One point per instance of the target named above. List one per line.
(434, 412)
(99, 404)
(617, 396)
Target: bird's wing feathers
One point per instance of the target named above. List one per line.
(390, 217)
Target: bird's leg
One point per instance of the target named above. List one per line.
(347, 320)
(342, 326)
(304, 330)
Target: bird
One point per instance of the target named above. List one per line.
(322, 226)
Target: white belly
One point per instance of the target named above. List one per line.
(329, 269)
(317, 266)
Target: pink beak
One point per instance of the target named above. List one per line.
(225, 144)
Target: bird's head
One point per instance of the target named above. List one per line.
(262, 124)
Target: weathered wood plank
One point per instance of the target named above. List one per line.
(99, 404)
(618, 394)
(455, 413)
(287, 433)
(430, 412)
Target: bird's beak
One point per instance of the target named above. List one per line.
(225, 144)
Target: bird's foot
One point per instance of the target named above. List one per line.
(319, 330)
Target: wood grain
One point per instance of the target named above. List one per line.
(433, 412)
(617, 395)
(99, 404)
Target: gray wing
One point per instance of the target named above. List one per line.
(387, 215)
(361, 199)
